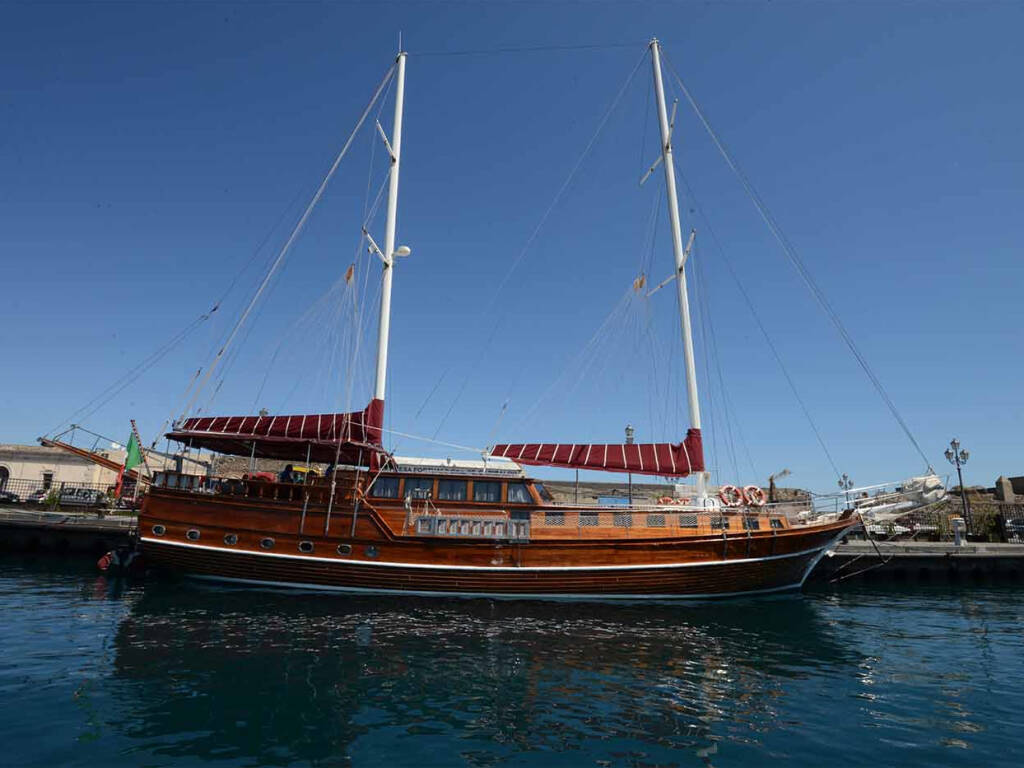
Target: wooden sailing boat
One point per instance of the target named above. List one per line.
(471, 528)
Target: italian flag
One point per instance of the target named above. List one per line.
(132, 458)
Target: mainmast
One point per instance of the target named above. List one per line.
(680, 254)
(389, 253)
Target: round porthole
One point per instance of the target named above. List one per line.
(230, 539)
(192, 534)
(159, 530)
(306, 546)
(267, 543)
(371, 551)
(344, 549)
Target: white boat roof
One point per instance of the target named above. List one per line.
(490, 466)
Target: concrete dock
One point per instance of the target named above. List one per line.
(921, 561)
(86, 533)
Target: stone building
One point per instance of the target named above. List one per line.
(28, 468)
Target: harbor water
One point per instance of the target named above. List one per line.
(103, 672)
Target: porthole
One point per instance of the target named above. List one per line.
(306, 546)
(344, 549)
(159, 530)
(230, 539)
(267, 543)
(371, 551)
(192, 534)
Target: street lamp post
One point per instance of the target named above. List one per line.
(958, 457)
(629, 441)
(846, 484)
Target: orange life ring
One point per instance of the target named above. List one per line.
(730, 495)
(666, 500)
(754, 496)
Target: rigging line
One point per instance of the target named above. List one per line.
(698, 270)
(764, 331)
(528, 49)
(540, 225)
(136, 371)
(800, 267)
(294, 235)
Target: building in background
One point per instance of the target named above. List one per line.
(25, 469)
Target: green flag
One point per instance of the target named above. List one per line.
(133, 453)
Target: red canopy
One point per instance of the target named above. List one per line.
(345, 437)
(665, 459)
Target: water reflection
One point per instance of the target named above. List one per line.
(272, 678)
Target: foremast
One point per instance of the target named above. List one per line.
(680, 254)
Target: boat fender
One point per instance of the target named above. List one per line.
(755, 496)
(105, 562)
(730, 495)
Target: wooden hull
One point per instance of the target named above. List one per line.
(376, 558)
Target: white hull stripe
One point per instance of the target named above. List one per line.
(492, 568)
(493, 595)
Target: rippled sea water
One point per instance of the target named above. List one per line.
(175, 673)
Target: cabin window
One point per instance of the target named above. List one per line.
(425, 525)
(267, 543)
(159, 530)
(719, 523)
(688, 520)
(776, 522)
(451, 490)
(385, 488)
(192, 534)
(751, 524)
(543, 492)
(588, 518)
(344, 549)
(230, 539)
(519, 494)
(306, 547)
(419, 487)
(622, 519)
(554, 518)
(486, 491)
(655, 521)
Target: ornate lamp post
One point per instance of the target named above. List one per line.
(846, 484)
(958, 457)
(630, 432)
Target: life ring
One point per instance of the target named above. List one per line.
(666, 500)
(730, 495)
(755, 496)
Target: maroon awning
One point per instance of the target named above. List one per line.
(346, 437)
(664, 459)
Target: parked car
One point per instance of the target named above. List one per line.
(1015, 529)
(37, 496)
(10, 497)
(82, 497)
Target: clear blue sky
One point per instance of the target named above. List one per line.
(147, 150)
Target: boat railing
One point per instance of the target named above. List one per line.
(785, 508)
(312, 491)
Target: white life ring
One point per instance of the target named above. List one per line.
(730, 495)
(755, 496)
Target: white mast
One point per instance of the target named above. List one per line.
(680, 255)
(388, 255)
